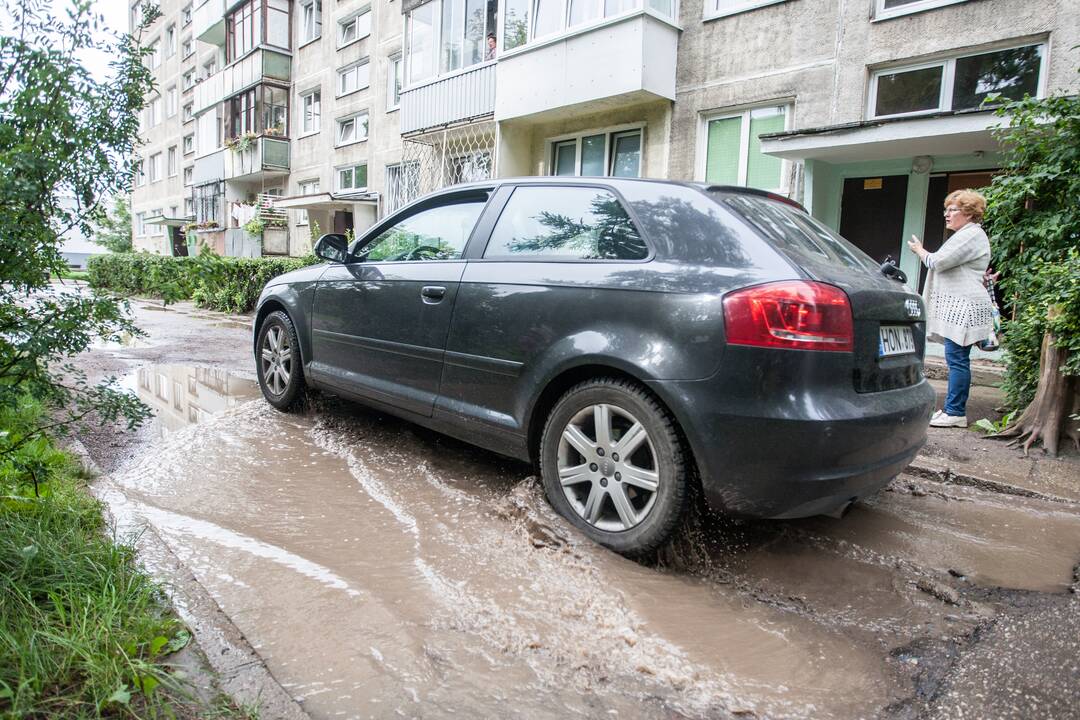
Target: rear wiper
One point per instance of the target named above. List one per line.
(890, 270)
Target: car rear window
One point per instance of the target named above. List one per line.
(565, 223)
(797, 234)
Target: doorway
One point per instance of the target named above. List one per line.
(934, 232)
(872, 214)
(343, 221)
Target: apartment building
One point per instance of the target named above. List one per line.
(332, 113)
(160, 202)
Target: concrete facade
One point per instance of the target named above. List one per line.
(796, 78)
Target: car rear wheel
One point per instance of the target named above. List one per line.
(614, 466)
(279, 368)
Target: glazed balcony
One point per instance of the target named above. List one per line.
(253, 68)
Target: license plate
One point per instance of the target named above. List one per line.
(896, 340)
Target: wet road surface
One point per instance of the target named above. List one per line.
(382, 570)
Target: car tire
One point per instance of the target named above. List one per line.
(630, 503)
(278, 364)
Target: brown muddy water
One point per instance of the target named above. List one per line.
(384, 571)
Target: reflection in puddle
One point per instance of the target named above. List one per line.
(181, 395)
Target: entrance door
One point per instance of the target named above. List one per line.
(343, 220)
(934, 232)
(872, 214)
(179, 242)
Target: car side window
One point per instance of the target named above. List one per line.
(439, 233)
(565, 223)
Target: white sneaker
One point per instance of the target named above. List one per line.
(940, 419)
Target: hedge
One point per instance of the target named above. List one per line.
(228, 284)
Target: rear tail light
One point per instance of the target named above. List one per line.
(790, 314)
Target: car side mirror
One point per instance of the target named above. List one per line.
(333, 247)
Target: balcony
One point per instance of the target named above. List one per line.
(253, 68)
(267, 157)
(209, 168)
(463, 96)
(626, 60)
(208, 22)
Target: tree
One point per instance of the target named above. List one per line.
(62, 132)
(1034, 221)
(113, 229)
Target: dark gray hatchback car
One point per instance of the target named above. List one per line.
(631, 337)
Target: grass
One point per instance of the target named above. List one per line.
(84, 631)
(74, 275)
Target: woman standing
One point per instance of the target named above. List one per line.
(959, 312)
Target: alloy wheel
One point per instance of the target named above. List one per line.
(276, 358)
(608, 467)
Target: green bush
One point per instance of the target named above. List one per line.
(227, 284)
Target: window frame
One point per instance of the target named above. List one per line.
(302, 105)
(609, 133)
(626, 206)
(172, 162)
(338, 169)
(170, 40)
(351, 117)
(154, 168)
(317, 18)
(879, 12)
(187, 47)
(354, 66)
(395, 80)
(393, 219)
(172, 100)
(184, 144)
(186, 14)
(744, 112)
(350, 19)
(948, 70)
(736, 7)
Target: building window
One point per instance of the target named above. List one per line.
(189, 144)
(155, 167)
(189, 80)
(307, 187)
(185, 15)
(159, 228)
(188, 174)
(153, 112)
(208, 200)
(352, 129)
(960, 83)
(393, 83)
(732, 153)
(884, 9)
(189, 112)
(353, 177)
(210, 68)
(245, 30)
(154, 57)
(445, 37)
(172, 164)
(565, 223)
(310, 20)
(140, 172)
(353, 78)
(617, 154)
(311, 109)
(170, 41)
(187, 48)
(262, 109)
(171, 96)
(526, 20)
(354, 28)
(722, 8)
(140, 224)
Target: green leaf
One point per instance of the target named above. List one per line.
(120, 696)
(986, 426)
(178, 642)
(147, 684)
(157, 643)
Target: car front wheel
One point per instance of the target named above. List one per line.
(614, 466)
(278, 364)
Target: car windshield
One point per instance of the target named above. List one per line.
(796, 233)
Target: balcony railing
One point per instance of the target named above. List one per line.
(464, 96)
(208, 22)
(266, 157)
(247, 71)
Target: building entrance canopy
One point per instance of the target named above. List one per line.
(963, 133)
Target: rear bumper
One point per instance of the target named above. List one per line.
(785, 435)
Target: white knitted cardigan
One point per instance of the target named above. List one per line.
(958, 306)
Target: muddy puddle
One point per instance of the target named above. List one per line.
(384, 571)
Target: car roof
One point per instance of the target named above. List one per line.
(614, 182)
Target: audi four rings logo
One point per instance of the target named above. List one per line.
(912, 308)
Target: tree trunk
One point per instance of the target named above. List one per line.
(1057, 398)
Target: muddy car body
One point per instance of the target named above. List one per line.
(715, 335)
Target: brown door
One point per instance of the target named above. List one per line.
(343, 221)
(934, 232)
(872, 214)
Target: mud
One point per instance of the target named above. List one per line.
(380, 570)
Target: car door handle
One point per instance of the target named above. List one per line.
(432, 294)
